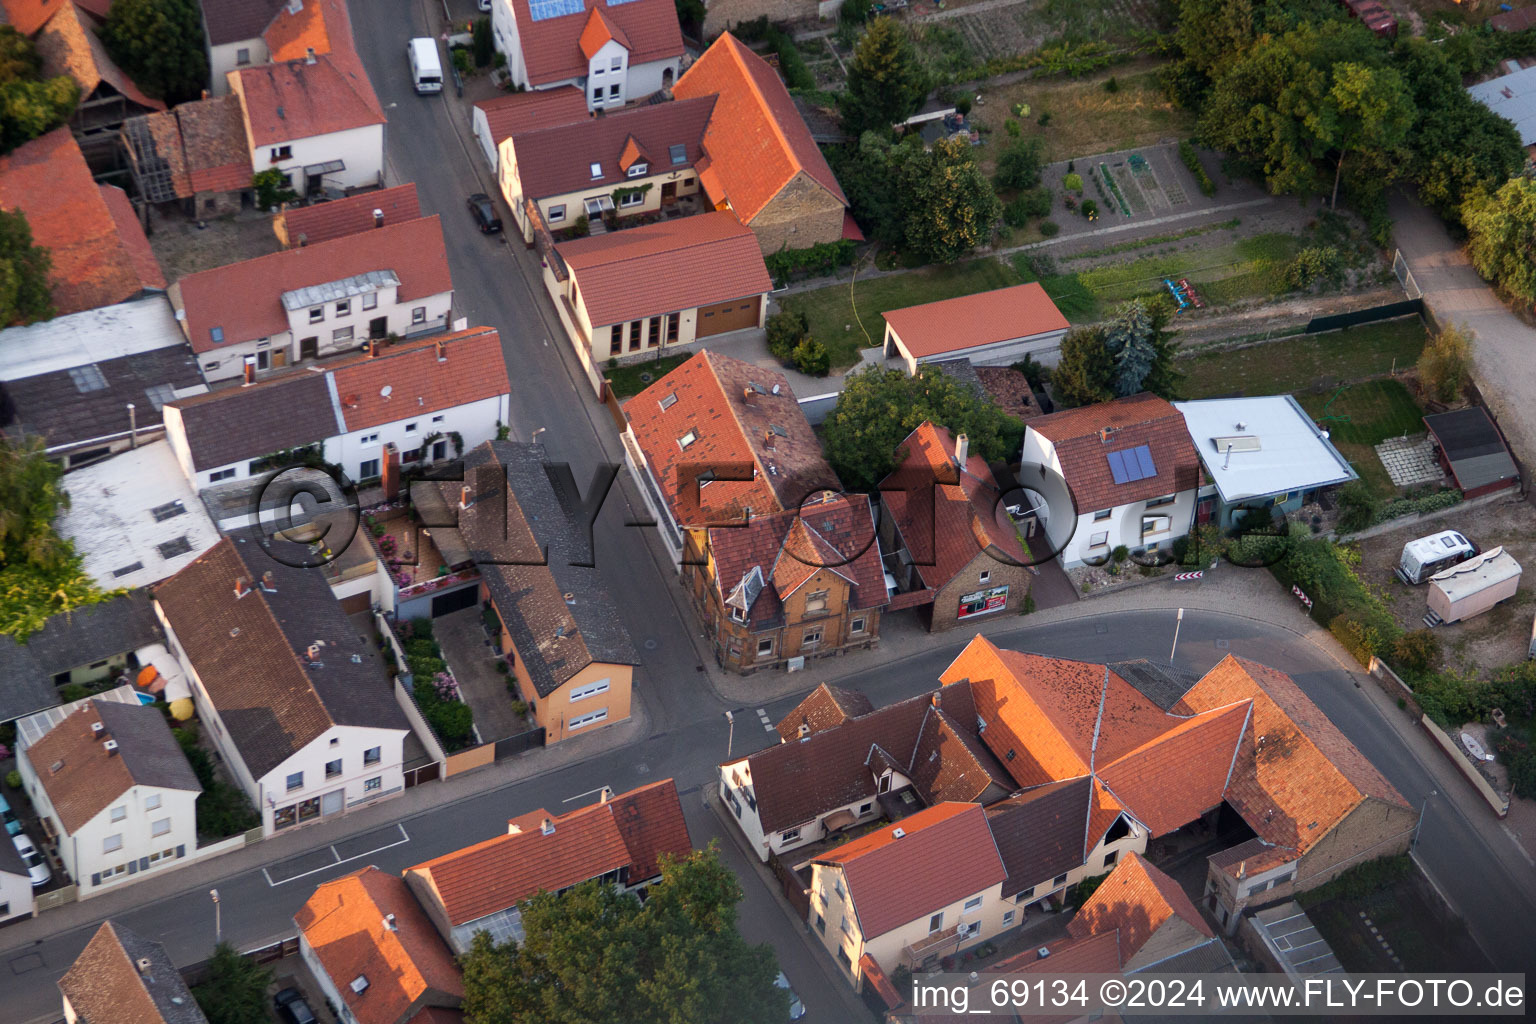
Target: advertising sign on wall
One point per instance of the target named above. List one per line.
(982, 602)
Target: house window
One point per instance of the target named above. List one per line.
(295, 781)
(844, 926)
(671, 328)
(1166, 499)
(372, 755)
(597, 72)
(437, 419)
(816, 601)
(419, 315)
(333, 768)
(243, 56)
(374, 784)
(935, 923)
(616, 64)
(161, 827)
(119, 813)
(220, 474)
(678, 153)
(217, 335)
(597, 169)
(371, 300)
(557, 213)
(1099, 540)
(410, 428)
(856, 627)
(1101, 515)
(317, 314)
(1060, 880)
(765, 647)
(112, 843)
(590, 690)
(613, 92)
(591, 718)
(341, 334)
(821, 925)
(970, 930)
(368, 469)
(152, 802)
(632, 199)
(789, 835)
(344, 307)
(1008, 918)
(636, 333)
(1111, 857)
(864, 807)
(281, 153)
(597, 97)
(369, 438)
(986, 576)
(687, 439)
(812, 637)
(653, 332)
(1025, 895)
(1281, 879)
(973, 903)
(616, 339)
(638, 170)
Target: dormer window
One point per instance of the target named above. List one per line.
(597, 171)
(638, 170)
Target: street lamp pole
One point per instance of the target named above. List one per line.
(535, 435)
(1414, 845)
(731, 735)
(218, 924)
(1177, 623)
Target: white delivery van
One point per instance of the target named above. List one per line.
(426, 68)
(1426, 556)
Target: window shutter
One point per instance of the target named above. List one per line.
(143, 863)
(133, 867)
(96, 878)
(181, 851)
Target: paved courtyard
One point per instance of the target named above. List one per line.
(473, 662)
(1410, 460)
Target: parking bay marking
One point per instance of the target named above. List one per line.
(336, 858)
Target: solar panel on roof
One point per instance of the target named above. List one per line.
(1132, 464)
(1144, 461)
(542, 10)
(87, 378)
(1117, 467)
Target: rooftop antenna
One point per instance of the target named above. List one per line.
(1228, 460)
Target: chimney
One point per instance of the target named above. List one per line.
(242, 587)
(268, 583)
(606, 795)
(378, 217)
(962, 449)
(133, 427)
(391, 473)
(746, 394)
(313, 654)
(514, 829)
(547, 827)
(1104, 433)
(570, 598)
(143, 964)
(1226, 462)
(250, 370)
(1242, 425)
(303, 239)
(935, 700)
(389, 922)
(804, 730)
(442, 351)
(464, 496)
(768, 438)
(98, 730)
(309, 55)
(295, 6)
(110, 747)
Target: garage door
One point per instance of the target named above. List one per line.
(728, 316)
(456, 600)
(357, 603)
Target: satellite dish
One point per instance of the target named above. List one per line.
(384, 391)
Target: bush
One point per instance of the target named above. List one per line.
(74, 692)
(812, 358)
(272, 189)
(1445, 365)
(1112, 84)
(1018, 166)
(1361, 639)
(786, 330)
(462, 61)
(1015, 213)
(453, 722)
(484, 47)
(1044, 118)
(1090, 209)
(1049, 228)
(1080, 893)
(963, 103)
(1012, 128)
(855, 12)
(519, 707)
(1357, 507)
(1120, 554)
(1072, 182)
(1360, 881)
(13, 779)
(501, 667)
(1415, 652)
(1312, 264)
(1414, 506)
(224, 810)
(581, 227)
(1192, 161)
(822, 258)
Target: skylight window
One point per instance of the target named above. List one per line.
(668, 402)
(216, 333)
(159, 394)
(169, 510)
(172, 548)
(687, 439)
(678, 153)
(87, 378)
(597, 171)
(1132, 464)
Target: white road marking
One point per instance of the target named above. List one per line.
(405, 837)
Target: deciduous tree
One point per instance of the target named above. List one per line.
(948, 205)
(1501, 235)
(29, 104)
(886, 82)
(159, 44)
(1086, 373)
(24, 293)
(236, 989)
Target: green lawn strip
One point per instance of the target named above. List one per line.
(830, 310)
(626, 379)
(1249, 268)
(1303, 362)
(1367, 413)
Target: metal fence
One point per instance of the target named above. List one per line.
(1390, 311)
(1405, 276)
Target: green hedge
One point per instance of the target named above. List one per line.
(822, 258)
(1192, 161)
(1352, 611)
(1414, 506)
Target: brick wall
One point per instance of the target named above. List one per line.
(946, 601)
(802, 215)
(720, 15)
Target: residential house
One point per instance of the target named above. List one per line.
(569, 653)
(193, 155)
(948, 537)
(100, 254)
(718, 440)
(250, 628)
(659, 286)
(616, 52)
(233, 30)
(93, 383)
(619, 841)
(760, 161)
(114, 792)
(318, 300)
(841, 764)
(134, 519)
(298, 226)
(627, 163)
(69, 43)
(16, 898)
(313, 114)
(1260, 454)
(84, 645)
(495, 120)
(122, 976)
(412, 395)
(374, 953)
(903, 894)
(994, 328)
(1124, 474)
(791, 586)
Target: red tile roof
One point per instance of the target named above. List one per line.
(93, 263)
(599, 31)
(322, 222)
(69, 45)
(666, 267)
(27, 16)
(345, 923)
(1175, 778)
(732, 423)
(1305, 776)
(1083, 449)
(943, 854)
(418, 381)
(1096, 954)
(964, 517)
(823, 708)
(1135, 901)
(132, 234)
(552, 47)
(293, 34)
(757, 142)
(245, 298)
(106, 983)
(970, 321)
(519, 112)
(230, 21)
(631, 830)
(836, 532)
(558, 159)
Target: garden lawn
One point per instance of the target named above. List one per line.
(626, 379)
(1361, 417)
(1419, 936)
(830, 310)
(1304, 362)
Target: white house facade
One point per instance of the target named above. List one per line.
(15, 885)
(307, 162)
(542, 53)
(360, 453)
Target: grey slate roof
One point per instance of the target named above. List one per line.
(230, 21)
(1160, 684)
(106, 985)
(1040, 832)
(146, 745)
(962, 370)
(234, 424)
(80, 404)
(1210, 957)
(70, 640)
(251, 652)
(1473, 447)
(560, 615)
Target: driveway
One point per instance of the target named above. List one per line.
(473, 662)
(1501, 349)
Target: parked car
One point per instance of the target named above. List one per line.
(484, 212)
(8, 816)
(292, 1007)
(796, 1007)
(37, 864)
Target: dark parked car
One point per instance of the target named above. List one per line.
(484, 212)
(292, 1007)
